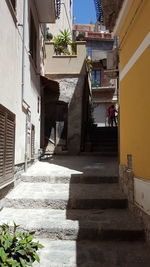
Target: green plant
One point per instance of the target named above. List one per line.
(74, 48)
(81, 36)
(49, 36)
(61, 42)
(89, 65)
(17, 249)
(65, 37)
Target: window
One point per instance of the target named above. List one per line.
(13, 2)
(96, 78)
(7, 147)
(32, 141)
(33, 39)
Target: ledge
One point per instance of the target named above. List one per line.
(64, 56)
(104, 88)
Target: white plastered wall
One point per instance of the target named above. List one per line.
(65, 20)
(142, 194)
(11, 77)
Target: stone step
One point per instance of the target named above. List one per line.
(62, 196)
(76, 224)
(73, 179)
(104, 142)
(104, 148)
(93, 254)
(97, 153)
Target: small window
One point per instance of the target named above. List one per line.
(13, 3)
(33, 39)
(96, 78)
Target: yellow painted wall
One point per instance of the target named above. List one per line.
(137, 28)
(135, 94)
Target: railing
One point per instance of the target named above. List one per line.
(98, 35)
(98, 87)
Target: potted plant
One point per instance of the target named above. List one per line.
(65, 37)
(74, 48)
(61, 43)
(81, 36)
(49, 36)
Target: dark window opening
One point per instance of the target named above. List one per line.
(33, 39)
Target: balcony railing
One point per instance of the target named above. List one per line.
(98, 35)
(103, 88)
(61, 63)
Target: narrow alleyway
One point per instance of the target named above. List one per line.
(79, 214)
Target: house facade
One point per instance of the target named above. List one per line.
(64, 88)
(21, 66)
(133, 28)
(64, 11)
(104, 88)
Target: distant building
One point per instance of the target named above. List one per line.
(104, 88)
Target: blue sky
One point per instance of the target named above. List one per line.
(84, 11)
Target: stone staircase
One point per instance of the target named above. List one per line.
(104, 140)
(81, 219)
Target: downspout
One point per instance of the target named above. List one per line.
(25, 106)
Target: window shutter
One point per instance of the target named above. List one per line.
(7, 145)
(2, 143)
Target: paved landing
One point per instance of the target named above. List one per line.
(93, 254)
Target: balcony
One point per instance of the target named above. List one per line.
(72, 64)
(46, 10)
(98, 35)
(103, 88)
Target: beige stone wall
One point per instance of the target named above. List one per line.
(65, 64)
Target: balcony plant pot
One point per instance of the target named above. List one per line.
(81, 36)
(49, 36)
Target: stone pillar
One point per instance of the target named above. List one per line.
(126, 181)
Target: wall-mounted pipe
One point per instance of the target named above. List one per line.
(24, 103)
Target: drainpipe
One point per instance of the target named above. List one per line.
(25, 105)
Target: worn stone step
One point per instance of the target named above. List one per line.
(76, 224)
(61, 196)
(97, 153)
(104, 141)
(93, 254)
(104, 147)
(73, 179)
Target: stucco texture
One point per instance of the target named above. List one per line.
(135, 116)
(134, 29)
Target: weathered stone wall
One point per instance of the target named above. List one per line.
(126, 181)
(71, 92)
